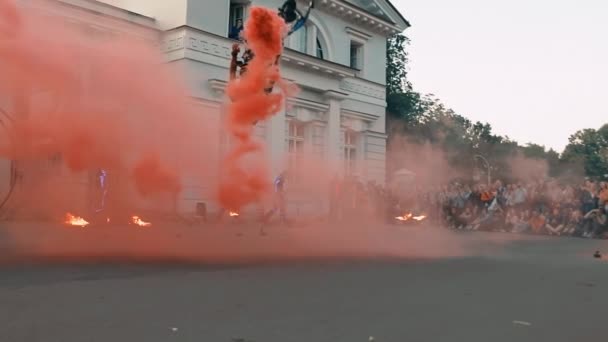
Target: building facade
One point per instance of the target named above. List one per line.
(338, 61)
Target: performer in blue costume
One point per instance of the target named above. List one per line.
(102, 176)
(280, 202)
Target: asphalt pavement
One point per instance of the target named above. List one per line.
(501, 289)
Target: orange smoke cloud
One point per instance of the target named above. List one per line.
(152, 178)
(97, 101)
(245, 175)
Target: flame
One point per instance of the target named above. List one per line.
(75, 220)
(410, 216)
(108, 220)
(405, 217)
(138, 221)
(234, 214)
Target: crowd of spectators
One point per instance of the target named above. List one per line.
(541, 207)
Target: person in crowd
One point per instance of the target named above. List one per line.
(491, 217)
(554, 222)
(537, 222)
(522, 224)
(594, 223)
(603, 194)
(574, 224)
(235, 31)
(465, 219)
(511, 220)
(520, 196)
(587, 197)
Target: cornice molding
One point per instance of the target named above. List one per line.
(335, 95)
(359, 17)
(316, 65)
(367, 117)
(307, 104)
(364, 87)
(192, 39)
(358, 34)
(376, 134)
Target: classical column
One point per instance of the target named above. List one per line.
(333, 146)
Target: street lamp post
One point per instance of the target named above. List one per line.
(487, 166)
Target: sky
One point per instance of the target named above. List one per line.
(536, 70)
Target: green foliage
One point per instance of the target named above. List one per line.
(396, 68)
(589, 147)
(406, 106)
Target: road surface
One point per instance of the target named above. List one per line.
(523, 289)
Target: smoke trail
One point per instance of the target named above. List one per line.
(246, 177)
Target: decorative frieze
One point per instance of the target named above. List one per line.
(364, 88)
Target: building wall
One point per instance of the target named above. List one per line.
(209, 15)
(334, 98)
(167, 13)
(338, 39)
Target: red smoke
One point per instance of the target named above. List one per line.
(246, 180)
(112, 103)
(152, 178)
(97, 101)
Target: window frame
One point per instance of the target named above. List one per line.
(295, 145)
(350, 151)
(359, 48)
(319, 51)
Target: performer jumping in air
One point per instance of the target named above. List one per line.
(292, 16)
(290, 13)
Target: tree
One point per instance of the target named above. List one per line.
(396, 65)
(534, 151)
(405, 106)
(589, 147)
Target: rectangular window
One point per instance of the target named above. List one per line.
(237, 12)
(356, 54)
(350, 152)
(295, 149)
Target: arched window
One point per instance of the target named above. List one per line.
(309, 40)
(299, 39)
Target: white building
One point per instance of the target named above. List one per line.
(338, 61)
